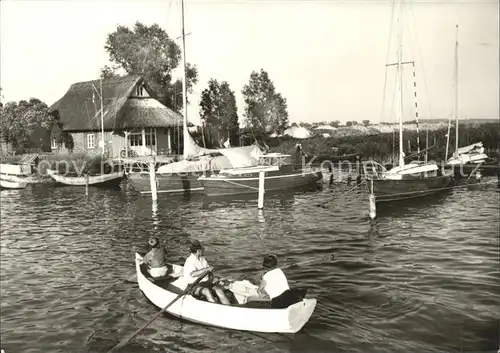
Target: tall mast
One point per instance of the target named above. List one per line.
(184, 86)
(426, 143)
(456, 88)
(102, 119)
(400, 87)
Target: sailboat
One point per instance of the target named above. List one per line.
(404, 181)
(182, 176)
(465, 160)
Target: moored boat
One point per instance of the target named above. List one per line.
(183, 176)
(406, 182)
(104, 180)
(246, 180)
(7, 184)
(242, 316)
(468, 159)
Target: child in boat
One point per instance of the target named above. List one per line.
(275, 284)
(155, 259)
(194, 266)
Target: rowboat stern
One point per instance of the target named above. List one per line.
(300, 313)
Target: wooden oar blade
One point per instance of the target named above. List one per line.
(328, 257)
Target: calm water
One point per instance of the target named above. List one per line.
(423, 277)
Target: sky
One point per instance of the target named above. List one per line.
(327, 58)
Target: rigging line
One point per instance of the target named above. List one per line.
(421, 60)
(387, 59)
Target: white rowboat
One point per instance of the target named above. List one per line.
(111, 179)
(6, 184)
(236, 317)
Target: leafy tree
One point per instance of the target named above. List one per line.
(148, 51)
(109, 72)
(335, 123)
(366, 122)
(349, 123)
(19, 121)
(266, 110)
(219, 112)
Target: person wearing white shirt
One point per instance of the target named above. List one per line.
(275, 284)
(196, 265)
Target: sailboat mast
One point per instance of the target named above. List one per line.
(102, 119)
(184, 86)
(456, 88)
(400, 87)
(426, 143)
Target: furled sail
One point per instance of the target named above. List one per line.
(212, 159)
(469, 154)
(475, 148)
(191, 148)
(240, 157)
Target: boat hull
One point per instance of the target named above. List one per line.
(386, 190)
(168, 183)
(222, 185)
(235, 317)
(111, 180)
(7, 184)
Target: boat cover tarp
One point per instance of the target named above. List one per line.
(240, 157)
(202, 164)
(199, 159)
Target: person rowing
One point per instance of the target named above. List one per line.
(275, 284)
(156, 259)
(196, 265)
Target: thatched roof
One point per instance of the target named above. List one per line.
(79, 108)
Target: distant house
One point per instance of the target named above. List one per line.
(131, 117)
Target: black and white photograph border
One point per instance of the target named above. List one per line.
(245, 176)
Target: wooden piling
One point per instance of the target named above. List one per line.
(152, 179)
(262, 178)
(87, 184)
(373, 207)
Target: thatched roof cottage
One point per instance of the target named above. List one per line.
(130, 114)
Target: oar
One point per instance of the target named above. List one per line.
(300, 263)
(307, 262)
(186, 291)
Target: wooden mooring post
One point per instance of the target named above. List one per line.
(373, 208)
(262, 178)
(87, 184)
(152, 179)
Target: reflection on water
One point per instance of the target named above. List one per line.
(423, 276)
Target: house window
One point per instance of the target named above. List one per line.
(90, 141)
(150, 134)
(53, 144)
(135, 139)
